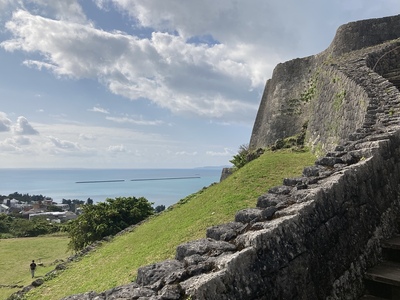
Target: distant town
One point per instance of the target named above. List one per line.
(38, 206)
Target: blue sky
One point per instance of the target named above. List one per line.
(148, 83)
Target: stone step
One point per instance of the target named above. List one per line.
(387, 272)
(391, 73)
(393, 243)
(396, 83)
(383, 280)
(370, 297)
(391, 249)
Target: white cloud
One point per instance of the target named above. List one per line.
(5, 122)
(117, 149)
(185, 153)
(9, 145)
(69, 10)
(21, 140)
(229, 22)
(63, 144)
(203, 58)
(15, 144)
(87, 137)
(134, 121)
(226, 152)
(99, 110)
(102, 4)
(22, 127)
(207, 80)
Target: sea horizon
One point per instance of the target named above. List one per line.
(163, 186)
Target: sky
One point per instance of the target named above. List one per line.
(148, 83)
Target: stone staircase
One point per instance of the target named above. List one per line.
(394, 77)
(383, 280)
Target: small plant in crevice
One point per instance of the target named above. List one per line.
(391, 112)
(339, 98)
(319, 150)
(311, 90)
(295, 142)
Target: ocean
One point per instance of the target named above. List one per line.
(161, 186)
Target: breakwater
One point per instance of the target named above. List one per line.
(139, 179)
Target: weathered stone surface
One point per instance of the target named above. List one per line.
(38, 282)
(329, 161)
(61, 266)
(295, 182)
(268, 213)
(248, 215)
(283, 190)
(197, 264)
(225, 232)
(203, 246)
(151, 274)
(352, 157)
(85, 296)
(171, 292)
(312, 171)
(270, 199)
(129, 291)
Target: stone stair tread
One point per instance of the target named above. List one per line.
(391, 74)
(370, 297)
(392, 243)
(387, 272)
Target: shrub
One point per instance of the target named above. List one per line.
(106, 218)
(245, 155)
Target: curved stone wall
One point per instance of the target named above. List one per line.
(282, 110)
(315, 90)
(362, 34)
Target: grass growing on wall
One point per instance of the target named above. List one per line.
(116, 263)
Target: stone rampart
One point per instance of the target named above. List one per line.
(315, 236)
(316, 91)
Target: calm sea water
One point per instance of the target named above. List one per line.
(161, 186)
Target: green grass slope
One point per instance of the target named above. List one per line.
(115, 263)
(17, 254)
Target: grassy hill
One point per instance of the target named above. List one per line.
(17, 254)
(116, 263)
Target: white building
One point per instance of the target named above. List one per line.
(55, 216)
(4, 209)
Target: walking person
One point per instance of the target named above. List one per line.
(33, 268)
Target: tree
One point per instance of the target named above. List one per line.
(26, 228)
(106, 218)
(159, 208)
(5, 222)
(73, 204)
(54, 208)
